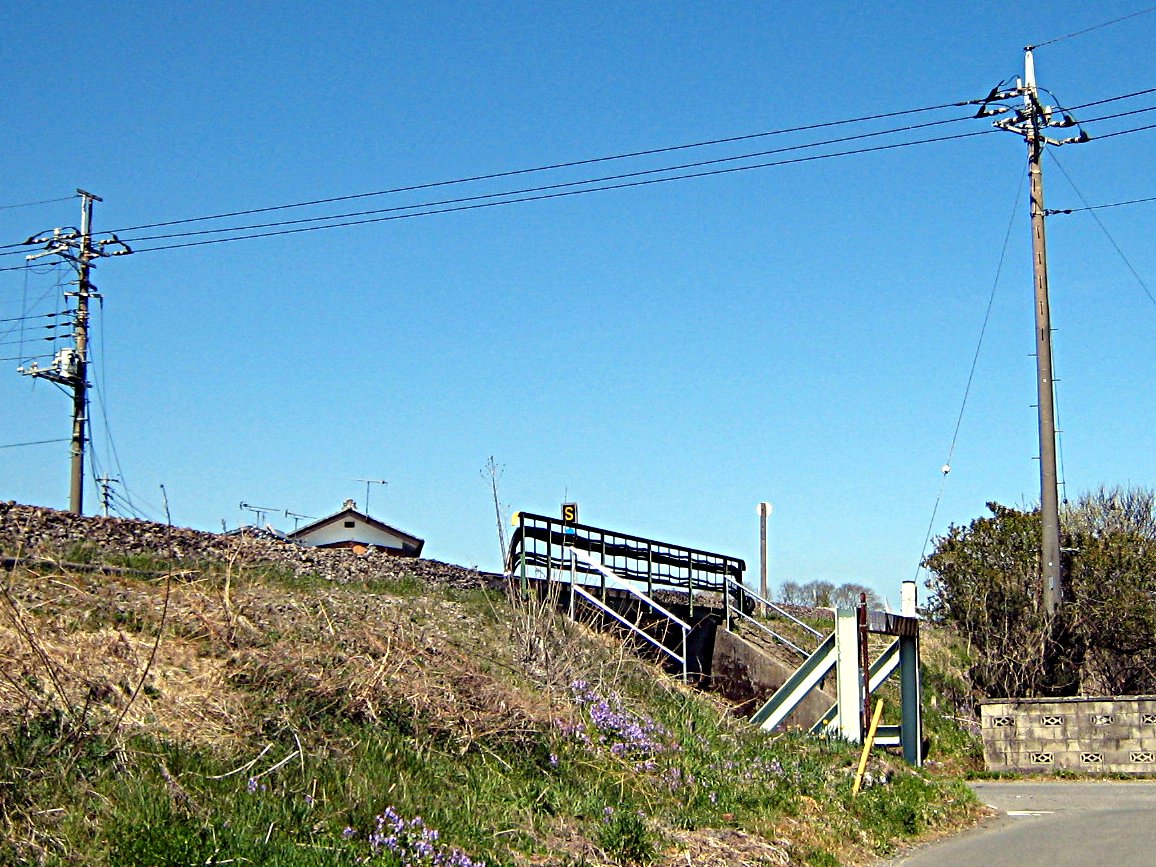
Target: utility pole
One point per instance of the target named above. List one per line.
(764, 510)
(1030, 121)
(69, 369)
(105, 483)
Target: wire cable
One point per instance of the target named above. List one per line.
(32, 204)
(1104, 229)
(1112, 99)
(544, 188)
(970, 377)
(567, 193)
(1118, 114)
(539, 189)
(1051, 211)
(33, 443)
(31, 316)
(1093, 27)
(100, 383)
(1106, 135)
(552, 166)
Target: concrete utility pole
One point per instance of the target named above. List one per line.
(764, 510)
(80, 338)
(69, 368)
(1031, 121)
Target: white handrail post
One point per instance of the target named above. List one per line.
(571, 583)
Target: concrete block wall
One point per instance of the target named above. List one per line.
(1090, 735)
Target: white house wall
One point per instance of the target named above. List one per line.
(362, 532)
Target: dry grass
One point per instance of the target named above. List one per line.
(82, 644)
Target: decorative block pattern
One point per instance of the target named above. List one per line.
(1092, 735)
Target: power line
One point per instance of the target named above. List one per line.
(41, 202)
(1105, 135)
(1093, 27)
(1104, 229)
(529, 194)
(566, 193)
(33, 443)
(1052, 211)
(551, 166)
(1118, 114)
(544, 188)
(33, 316)
(527, 190)
(1113, 99)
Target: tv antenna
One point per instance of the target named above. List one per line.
(259, 511)
(369, 482)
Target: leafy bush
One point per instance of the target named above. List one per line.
(985, 583)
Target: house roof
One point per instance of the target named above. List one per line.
(350, 512)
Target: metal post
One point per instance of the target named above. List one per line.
(649, 569)
(911, 721)
(602, 575)
(727, 601)
(572, 569)
(848, 683)
(910, 607)
(864, 662)
(550, 548)
(522, 535)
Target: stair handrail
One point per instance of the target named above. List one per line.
(612, 579)
(782, 639)
(598, 603)
(743, 588)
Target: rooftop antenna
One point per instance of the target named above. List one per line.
(369, 482)
(298, 517)
(259, 511)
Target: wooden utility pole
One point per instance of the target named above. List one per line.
(69, 369)
(1031, 121)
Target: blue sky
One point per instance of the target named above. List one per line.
(667, 355)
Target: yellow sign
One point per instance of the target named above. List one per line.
(570, 513)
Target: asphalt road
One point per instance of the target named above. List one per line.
(1054, 824)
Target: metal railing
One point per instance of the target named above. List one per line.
(611, 579)
(755, 599)
(542, 543)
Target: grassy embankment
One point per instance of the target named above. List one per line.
(242, 716)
